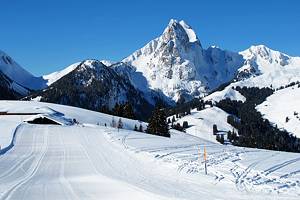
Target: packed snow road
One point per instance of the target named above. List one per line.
(48, 162)
(74, 162)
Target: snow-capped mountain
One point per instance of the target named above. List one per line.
(92, 85)
(261, 67)
(261, 60)
(10, 89)
(176, 63)
(18, 74)
(173, 67)
(55, 76)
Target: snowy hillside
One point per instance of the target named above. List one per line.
(94, 86)
(88, 161)
(55, 76)
(9, 89)
(262, 67)
(281, 105)
(201, 123)
(15, 72)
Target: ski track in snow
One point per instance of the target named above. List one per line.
(71, 162)
(246, 178)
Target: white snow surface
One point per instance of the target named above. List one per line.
(264, 68)
(108, 62)
(55, 76)
(283, 103)
(271, 68)
(96, 162)
(201, 123)
(15, 72)
(227, 93)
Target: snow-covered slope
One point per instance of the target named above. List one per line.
(265, 67)
(176, 63)
(281, 105)
(96, 162)
(9, 89)
(95, 86)
(201, 123)
(15, 72)
(55, 76)
(262, 67)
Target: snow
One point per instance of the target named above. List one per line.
(97, 162)
(270, 67)
(228, 92)
(108, 62)
(283, 103)
(176, 64)
(15, 72)
(190, 32)
(55, 76)
(201, 123)
(81, 115)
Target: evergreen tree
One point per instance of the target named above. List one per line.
(215, 129)
(141, 128)
(185, 125)
(169, 121)
(173, 120)
(120, 123)
(220, 138)
(135, 128)
(113, 123)
(118, 110)
(128, 111)
(158, 123)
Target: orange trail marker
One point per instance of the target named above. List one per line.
(205, 160)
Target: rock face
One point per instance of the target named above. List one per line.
(176, 63)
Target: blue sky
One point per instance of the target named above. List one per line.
(48, 35)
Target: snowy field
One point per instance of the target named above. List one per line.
(283, 103)
(90, 161)
(201, 123)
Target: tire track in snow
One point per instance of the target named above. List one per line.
(62, 177)
(279, 166)
(9, 193)
(18, 164)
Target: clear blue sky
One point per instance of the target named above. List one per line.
(47, 35)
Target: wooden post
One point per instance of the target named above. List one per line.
(205, 165)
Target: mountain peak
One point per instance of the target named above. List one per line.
(265, 53)
(180, 30)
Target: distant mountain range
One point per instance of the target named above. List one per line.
(172, 68)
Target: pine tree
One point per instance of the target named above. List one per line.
(173, 120)
(215, 129)
(185, 125)
(141, 128)
(118, 110)
(113, 123)
(128, 111)
(120, 123)
(158, 123)
(169, 121)
(135, 128)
